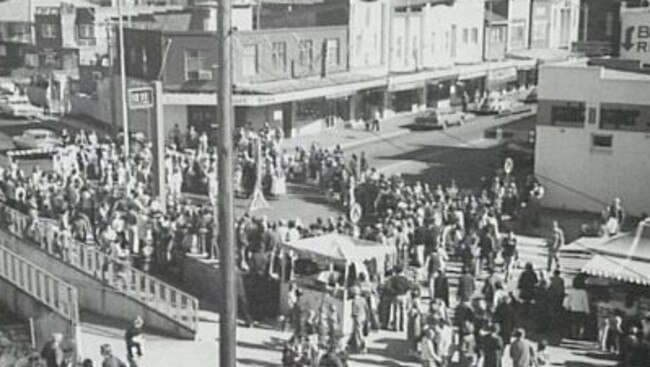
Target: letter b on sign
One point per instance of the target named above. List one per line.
(643, 31)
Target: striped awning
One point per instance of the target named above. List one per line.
(620, 269)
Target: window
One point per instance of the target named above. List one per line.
(31, 60)
(592, 115)
(3, 50)
(49, 30)
(618, 118)
(86, 31)
(279, 56)
(307, 52)
(333, 52)
(465, 35)
(49, 58)
(358, 43)
(569, 114)
(249, 60)
(609, 23)
(475, 35)
(196, 65)
(601, 142)
(518, 33)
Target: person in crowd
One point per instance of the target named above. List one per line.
(614, 217)
(414, 327)
(357, 342)
(491, 347)
(542, 358)
(134, 342)
(466, 286)
(555, 243)
(52, 352)
(441, 288)
(509, 253)
(468, 348)
(527, 284)
(521, 350)
(428, 354)
(110, 360)
(577, 305)
(398, 288)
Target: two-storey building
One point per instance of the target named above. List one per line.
(593, 135)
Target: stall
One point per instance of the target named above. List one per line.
(618, 281)
(324, 267)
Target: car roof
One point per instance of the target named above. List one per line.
(38, 131)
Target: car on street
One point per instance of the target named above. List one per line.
(37, 139)
(439, 118)
(18, 106)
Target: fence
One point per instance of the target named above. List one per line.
(170, 301)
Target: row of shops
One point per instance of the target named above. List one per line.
(301, 107)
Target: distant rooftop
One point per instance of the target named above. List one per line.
(612, 68)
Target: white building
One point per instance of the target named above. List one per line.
(593, 137)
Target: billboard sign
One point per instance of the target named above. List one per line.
(635, 36)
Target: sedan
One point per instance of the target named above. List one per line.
(37, 139)
(19, 107)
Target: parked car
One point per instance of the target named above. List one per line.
(18, 106)
(439, 118)
(37, 139)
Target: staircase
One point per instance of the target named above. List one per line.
(168, 302)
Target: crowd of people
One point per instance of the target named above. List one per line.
(97, 196)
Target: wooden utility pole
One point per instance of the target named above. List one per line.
(228, 317)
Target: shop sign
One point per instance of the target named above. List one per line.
(140, 98)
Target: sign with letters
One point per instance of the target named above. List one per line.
(635, 36)
(140, 98)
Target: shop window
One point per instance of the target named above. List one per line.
(569, 114)
(307, 53)
(279, 56)
(619, 118)
(196, 65)
(310, 110)
(601, 142)
(249, 60)
(333, 52)
(49, 31)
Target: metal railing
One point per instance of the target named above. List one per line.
(119, 274)
(53, 292)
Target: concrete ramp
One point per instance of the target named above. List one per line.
(105, 285)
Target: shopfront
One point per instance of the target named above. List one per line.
(439, 92)
(502, 79)
(407, 97)
(202, 119)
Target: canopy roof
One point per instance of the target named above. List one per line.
(625, 257)
(339, 248)
(624, 270)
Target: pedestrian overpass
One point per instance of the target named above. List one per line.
(102, 290)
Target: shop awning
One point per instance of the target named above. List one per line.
(621, 269)
(542, 55)
(406, 81)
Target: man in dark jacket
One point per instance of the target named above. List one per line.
(466, 286)
(492, 347)
(441, 287)
(52, 352)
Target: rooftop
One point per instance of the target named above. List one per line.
(19, 10)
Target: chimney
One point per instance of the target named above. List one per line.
(204, 16)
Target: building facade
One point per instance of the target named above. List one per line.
(592, 137)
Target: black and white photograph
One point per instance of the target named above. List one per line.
(324, 183)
